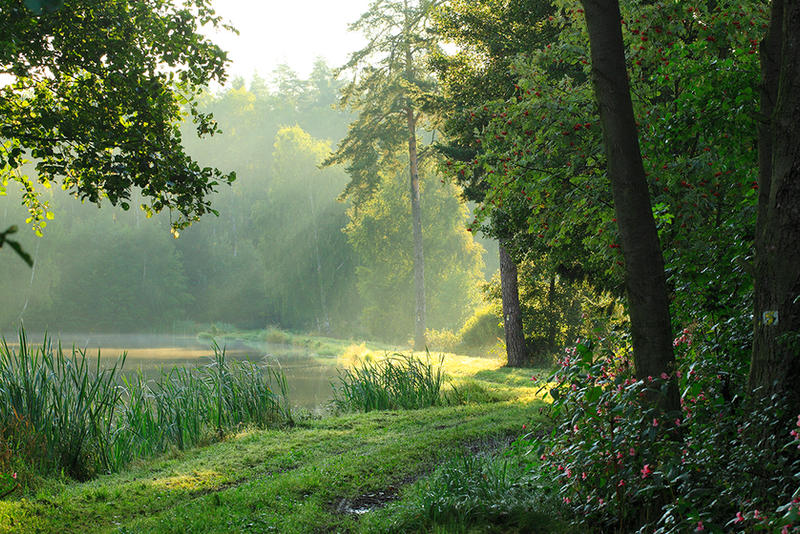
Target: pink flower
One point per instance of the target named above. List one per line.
(664, 376)
(621, 483)
(739, 517)
(14, 476)
(655, 421)
(583, 475)
(700, 527)
(646, 471)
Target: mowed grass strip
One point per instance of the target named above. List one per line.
(289, 480)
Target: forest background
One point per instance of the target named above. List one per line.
(285, 250)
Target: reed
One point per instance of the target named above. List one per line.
(89, 418)
(398, 382)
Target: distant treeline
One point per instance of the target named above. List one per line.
(283, 251)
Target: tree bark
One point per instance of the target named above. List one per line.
(416, 217)
(516, 350)
(551, 327)
(648, 304)
(323, 325)
(775, 364)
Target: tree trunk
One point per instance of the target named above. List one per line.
(416, 217)
(325, 324)
(775, 364)
(644, 264)
(551, 327)
(512, 317)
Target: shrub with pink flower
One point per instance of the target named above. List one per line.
(713, 465)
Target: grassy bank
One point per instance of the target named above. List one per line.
(348, 473)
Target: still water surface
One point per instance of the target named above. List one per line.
(308, 375)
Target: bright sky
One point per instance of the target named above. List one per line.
(294, 32)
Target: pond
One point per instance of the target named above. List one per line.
(308, 375)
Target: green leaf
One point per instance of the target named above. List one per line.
(593, 394)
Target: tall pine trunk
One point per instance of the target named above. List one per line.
(516, 350)
(416, 218)
(645, 282)
(775, 365)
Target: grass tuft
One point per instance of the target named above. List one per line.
(397, 382)
(471, 491)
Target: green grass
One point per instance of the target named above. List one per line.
(62, 411)
(311, 477)
(483, 492)
(292, 480)
(397, 382)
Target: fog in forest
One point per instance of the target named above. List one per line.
(286, 251)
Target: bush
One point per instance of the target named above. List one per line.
(441, 340)
(718, 464)
(277, 336)
(481, 330)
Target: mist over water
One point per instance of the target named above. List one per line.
(284, 251)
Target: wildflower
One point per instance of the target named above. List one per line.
(700, 527)
(14, 476)
(655, 421)
(583, 475)
(739, 517)
(646, 471)
(621, 483)
(664, 376)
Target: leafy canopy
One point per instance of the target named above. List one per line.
(94, 92)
